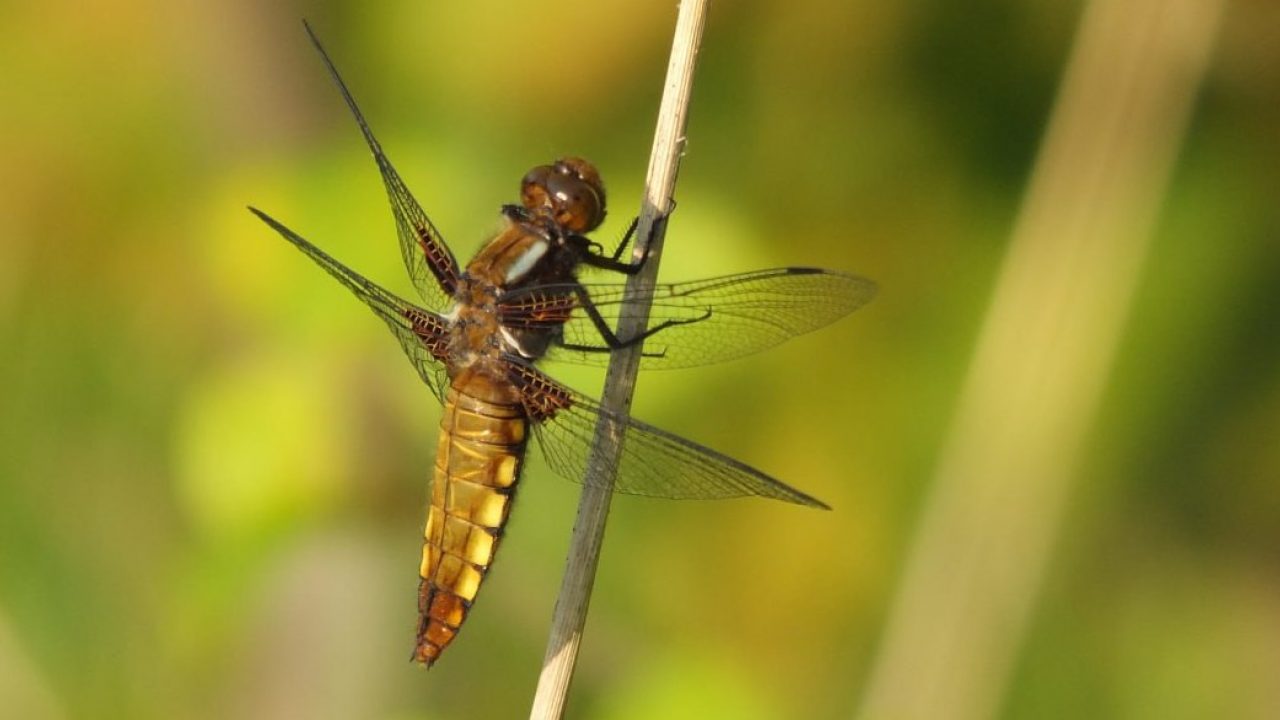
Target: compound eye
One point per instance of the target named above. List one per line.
(533, 188)
(576, 205)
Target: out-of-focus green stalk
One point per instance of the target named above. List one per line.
(1042, 360)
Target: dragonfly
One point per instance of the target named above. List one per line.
(483, 329)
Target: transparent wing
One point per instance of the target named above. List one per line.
(421, 333)
(707, 321)
(654, 462)
(431, 265)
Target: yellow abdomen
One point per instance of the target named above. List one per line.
(482, 442)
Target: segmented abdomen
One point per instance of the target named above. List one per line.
(481, 448)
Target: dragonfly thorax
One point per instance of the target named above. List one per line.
(473, 324)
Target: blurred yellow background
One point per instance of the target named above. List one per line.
(213, 461)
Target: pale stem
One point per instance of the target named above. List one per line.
(593, 509)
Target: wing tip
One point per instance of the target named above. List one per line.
(810, 501)
(270, 221)
(871, 287)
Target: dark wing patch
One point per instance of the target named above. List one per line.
(538, 308)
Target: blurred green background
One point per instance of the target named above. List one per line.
(213, 461)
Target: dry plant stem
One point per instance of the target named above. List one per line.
(593, 509)
(1042, 360)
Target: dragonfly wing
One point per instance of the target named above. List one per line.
(706, 321)
(654, 462)
(421, 333)
(430, 263)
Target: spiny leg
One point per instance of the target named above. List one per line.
(610, 338)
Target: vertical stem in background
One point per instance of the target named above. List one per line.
(1042, 359)
(588, 531)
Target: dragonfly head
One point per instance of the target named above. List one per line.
(568, 192)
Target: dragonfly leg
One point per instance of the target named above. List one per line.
(611, 340)
(626, 239)
(605, 349)
(615, 262)
(605, 262)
